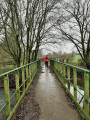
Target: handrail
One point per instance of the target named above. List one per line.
(15, 69)
(28, 72)
(73, 66)
(62, 71)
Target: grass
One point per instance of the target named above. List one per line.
(76, 59)
(5, 68)
(6, 62)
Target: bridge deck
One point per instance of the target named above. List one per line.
(54, 103)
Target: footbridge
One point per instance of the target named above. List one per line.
(61, 92)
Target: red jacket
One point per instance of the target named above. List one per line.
(46, 58)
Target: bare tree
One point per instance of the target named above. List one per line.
(23, 26)
(73, 24)
(11, 29)
(36, 22)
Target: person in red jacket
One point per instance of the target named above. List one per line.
(46, 59)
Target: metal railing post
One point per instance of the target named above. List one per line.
(7, 96)
(64, 71)
(27, 78)
(68, 76)
(86, 92)
(17, 85)
(30, 73)
(75, 82)
(58, 68)
(24, 72)
(35, 68)
(61, 68)
(23, 79)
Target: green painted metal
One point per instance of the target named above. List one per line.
(6, 93)
(61, 68)
(3, 106)
(17, 85)
(68, 76)
(18, 103)
(28, 71)
(75, 67)
(64, 70)
(23, 79)
(75, 82)
(27, 74)
(18, 68)
(62, 76)
(86, 92)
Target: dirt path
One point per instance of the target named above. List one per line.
(46, 100)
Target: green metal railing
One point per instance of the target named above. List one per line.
(26, 73)
(63, 72)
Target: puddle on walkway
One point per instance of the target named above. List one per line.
(52, 98)
(50, 77)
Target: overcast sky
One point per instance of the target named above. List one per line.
(66, 47)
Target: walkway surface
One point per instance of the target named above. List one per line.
(50, 101)
(50, 95)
